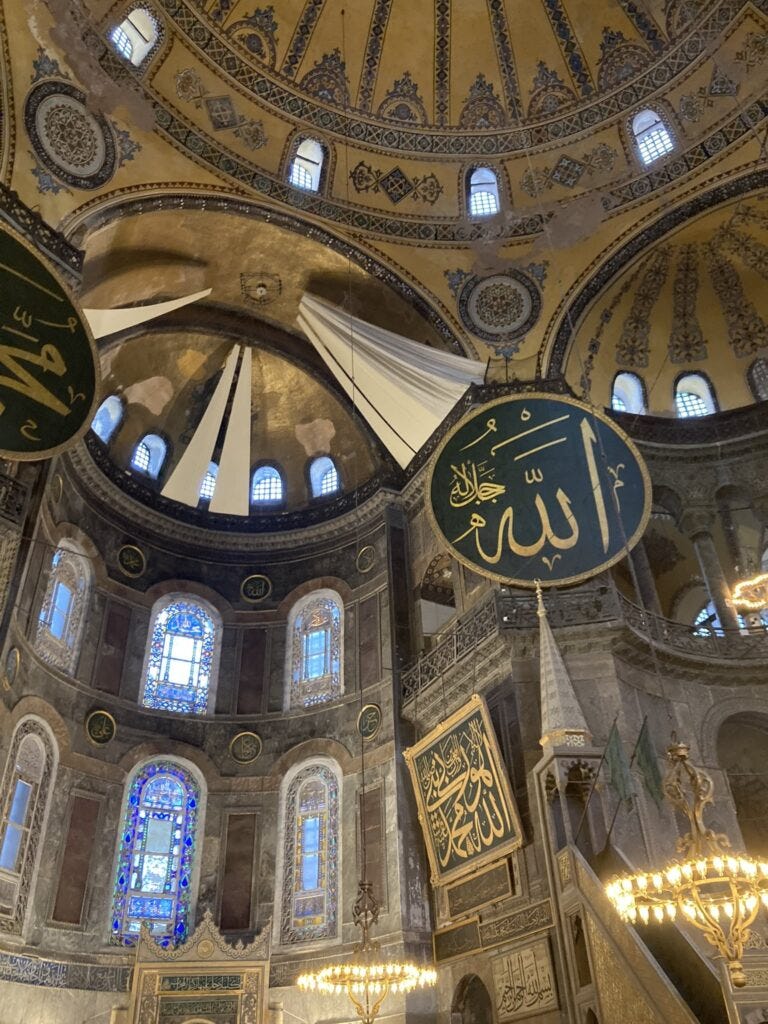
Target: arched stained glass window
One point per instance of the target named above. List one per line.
(307, 166)
(310, 892)
(693, 396)
(483, 192)
(323, 477)
(149, 455)
(315, 639)
(627, 394)
(107, 418)
(208, 486)
(180, 661)
(155, 861)
(267, 486)
(62, 612)
(652, 137)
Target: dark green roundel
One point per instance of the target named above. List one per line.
(537, 487)
(48, 364)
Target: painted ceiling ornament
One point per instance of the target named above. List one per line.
(403, 102)
(327, 80)
(482, 107)
(549, 93)
(258, 34)
(500, 308)
(620, 59)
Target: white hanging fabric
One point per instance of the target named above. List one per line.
(403, 388)
(107, 321)
(232, 492)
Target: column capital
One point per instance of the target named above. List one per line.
(698, 520)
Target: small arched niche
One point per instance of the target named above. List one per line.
(742, 753)
(471, 1002)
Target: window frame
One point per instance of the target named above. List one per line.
(145, 47)
(298, 690)
(662, 118)
(757, 365)
(625, 380)
(271, 504)
(319, 176)
(70, 567)
(212, 471)
(312, 474)
(696, 383)
(115, 424)
(164, 459)
(470, 187)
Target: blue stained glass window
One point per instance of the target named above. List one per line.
(59, 609)
(180, 659)
(316, 652)
(14, 829)
(156, 855)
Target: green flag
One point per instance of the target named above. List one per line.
(648, 764)
(617, 764)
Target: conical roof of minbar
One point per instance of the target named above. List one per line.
(562, 720)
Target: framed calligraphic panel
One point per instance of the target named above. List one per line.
(459, 940)
(524, 982)
(489, 885)
(466, 808)
(538, 487)
(49, 369)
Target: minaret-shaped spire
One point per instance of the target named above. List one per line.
(562, 720)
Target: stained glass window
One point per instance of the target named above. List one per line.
(180, 659)
(651, 136)
(307, 166)
(694, 396)
(62, 612)
(315, 643)
(107, 418)
(310, 883)
(156, 855)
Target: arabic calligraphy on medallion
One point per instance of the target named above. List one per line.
(100, 727)
(539, 487)
(49, 375)
(466, 808)
(524, 982)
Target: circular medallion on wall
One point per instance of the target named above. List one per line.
(57, 489)
(245, 747)
(366, 558)
(11, 667)
(72, 142)
(369, 721)
(255, 588)
(131, 561)
(100, 727)
(501, 308)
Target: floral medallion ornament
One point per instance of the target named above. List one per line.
(500, 309)
(245, 747)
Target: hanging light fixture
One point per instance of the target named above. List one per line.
(717, 891)
(751, 595)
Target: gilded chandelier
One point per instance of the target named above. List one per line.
(717, 891)
(751, 595)
(366, 978)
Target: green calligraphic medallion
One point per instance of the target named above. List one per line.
(369, 721)
(539, 487)
(100, 727)
(49, 368)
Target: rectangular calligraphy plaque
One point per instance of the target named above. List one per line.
(490, 885)
(534, 918)
(524, 982)
(466, 808)
(457, 941)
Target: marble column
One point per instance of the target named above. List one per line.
(643, 575)
(699, 524)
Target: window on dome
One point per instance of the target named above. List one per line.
(307, 166)
(149, 455)
(156, 855)
(757, 378)
(107, 418)
(62, 612)
(180, 662)
(310, 893)
(315, 643)
(627, 394)
(693, 396)
(483, 192)
(208, 486)
(135, 36)
(266, 486)
(652, 137)
(324, 477)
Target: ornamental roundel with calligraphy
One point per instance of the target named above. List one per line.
(49, 369)
(538, 487)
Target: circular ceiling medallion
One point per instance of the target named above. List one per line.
(131, 560)
(100, 727)
(256, 588)
(369, 721)
(245, 747)
(73, 143)
(501, 308)
(366, 558)
(11, 667)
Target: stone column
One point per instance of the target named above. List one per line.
(643, 575)
(698, 524)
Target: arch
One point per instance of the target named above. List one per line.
(149, 455)
(315, 647)
(208, 486)
(108, 418)
(471, 1002)
(628, 393)
(308, 894)
(652, 137)
(61, 618)
(156, 862)
(324, 478)
(694, 396)
(267, 485)
(25, 792)
(483, 192)
(136, 35)
(306, 167)
(742, 753)
(182, 658)
(757, 378)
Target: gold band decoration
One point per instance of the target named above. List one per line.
(131, 560)
(256, 588)
(369, 721)
(466, 808)
(100, 727)
(245, 747)
(366, 558)
(49, 367)
(538, 487)
(11, 667)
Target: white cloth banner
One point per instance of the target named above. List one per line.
(403, 388)
(108, 321)
(232, 493)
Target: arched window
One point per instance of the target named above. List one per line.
(26, 788)
(707, 622)
(627, 394)
(266, 486)
(311, 851)
(149, 455)
(307, 166)
(757, 378)
(182, 659)
(135, 36)
(652, 137)
(156, 855)
(208, 486)
(693, 396)
(107, 418)
(315, 644)
(62, 613)
(323, 477)
(483, 192)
